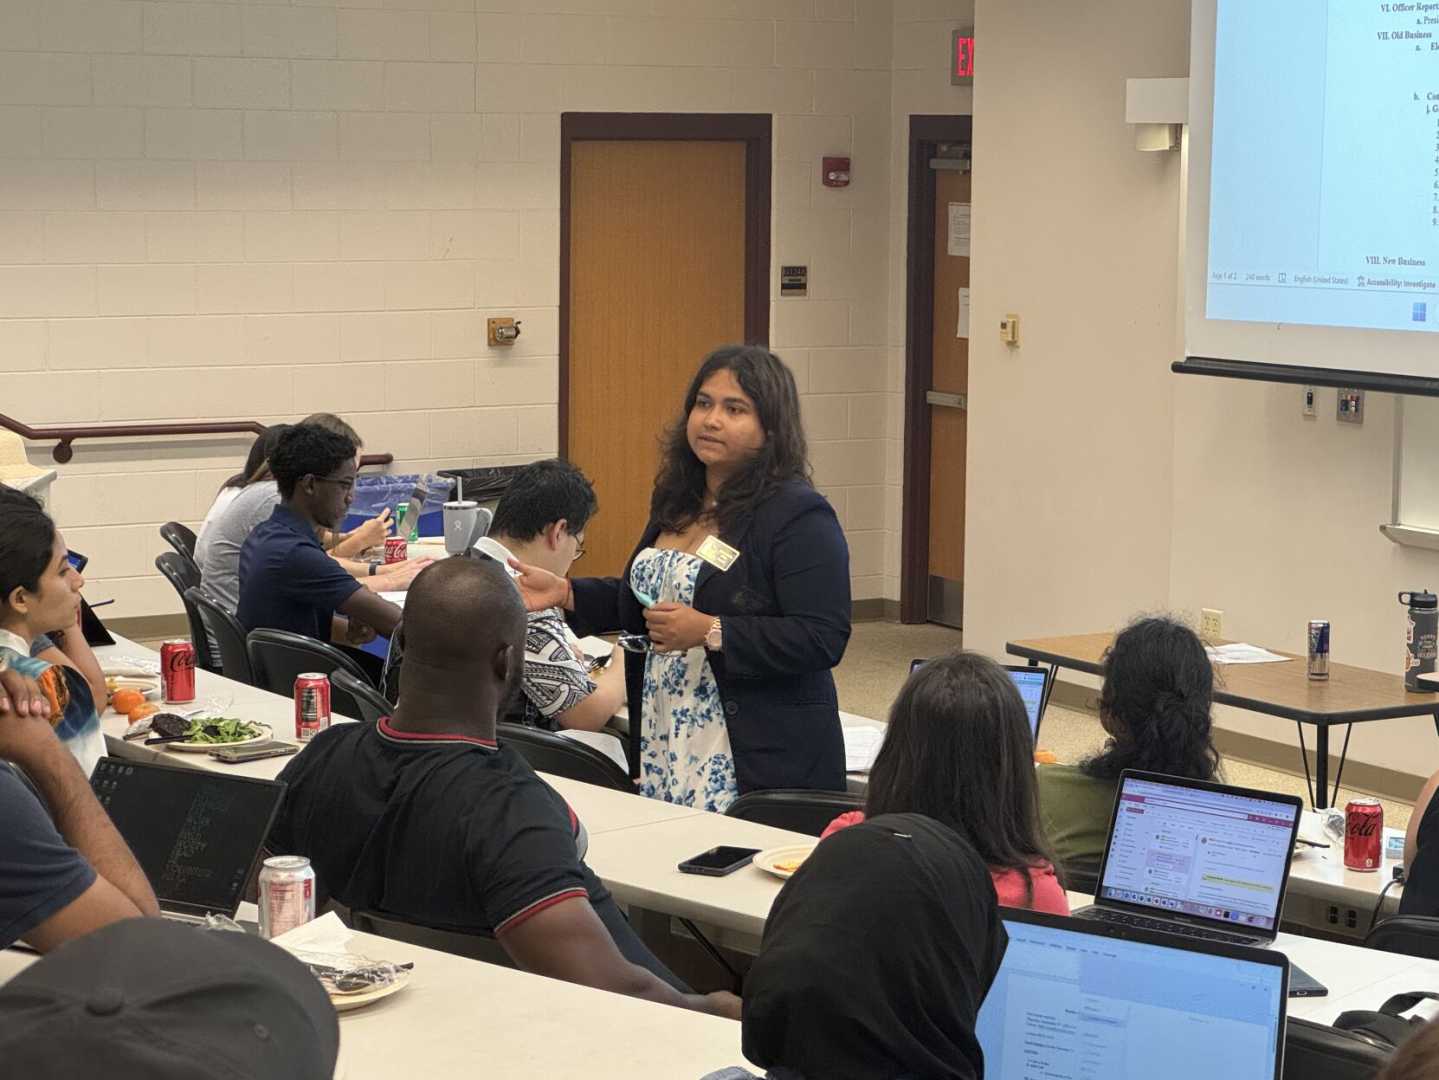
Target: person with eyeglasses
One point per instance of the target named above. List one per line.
(540, 520)
(217, 551)
(287, 581)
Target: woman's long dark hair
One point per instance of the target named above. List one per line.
(959, 750)
(1158, 689)
(678, 498)
(257, 461)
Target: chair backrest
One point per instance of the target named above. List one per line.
(228, 634)
(474, 946)
(1318, 1052)
(181, 573)
(369, 701)
(551, 753)
(180, 537)
(277, 656)
(1412, 935)
(798, 810)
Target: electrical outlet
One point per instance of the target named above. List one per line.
(1311, 404)
(1211, 624)
(1351, 407)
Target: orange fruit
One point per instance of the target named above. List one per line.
(144, 709)
(126, 700)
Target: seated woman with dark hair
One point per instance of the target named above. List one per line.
(39, 601)
(875, 959)
(958, 749)
(1155, 706)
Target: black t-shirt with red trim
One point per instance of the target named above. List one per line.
(442, 830)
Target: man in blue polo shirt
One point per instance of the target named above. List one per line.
(287, 581)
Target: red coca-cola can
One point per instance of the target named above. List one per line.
(396, 549)
(177, 671)
(1363, 834)
(312, 705)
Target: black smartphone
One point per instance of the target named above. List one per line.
(234, 755)
(719, 861)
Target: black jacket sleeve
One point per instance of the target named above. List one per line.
(809, 563)
(597, 606)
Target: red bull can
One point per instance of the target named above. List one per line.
(1319, 648)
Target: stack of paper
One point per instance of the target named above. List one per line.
(1239, 653)
(861, 744)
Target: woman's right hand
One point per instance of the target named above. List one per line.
(541, 589)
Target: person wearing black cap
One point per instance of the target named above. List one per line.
(148, 999)
(879, 973)
(425, 817)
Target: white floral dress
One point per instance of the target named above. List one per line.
(685, 754)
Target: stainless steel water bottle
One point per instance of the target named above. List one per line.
(1420, 635)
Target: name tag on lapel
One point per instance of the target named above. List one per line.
(717, 553)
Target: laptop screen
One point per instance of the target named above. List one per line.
(1029, 681)
(195, 833)
(1204, 851)
(1073, 1000)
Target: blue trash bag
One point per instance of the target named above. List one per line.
(379, 492)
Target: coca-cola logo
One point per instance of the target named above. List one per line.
(180, 660)
(1363, 826)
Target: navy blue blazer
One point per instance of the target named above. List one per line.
(785, 603)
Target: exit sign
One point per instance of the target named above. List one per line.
(961, 57)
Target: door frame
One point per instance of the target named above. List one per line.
(925, 134)
(753, 129)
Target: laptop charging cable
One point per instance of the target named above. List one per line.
(1397, 879)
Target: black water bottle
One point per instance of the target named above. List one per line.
(1420, 636)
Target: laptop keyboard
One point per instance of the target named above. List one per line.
(1164, 926)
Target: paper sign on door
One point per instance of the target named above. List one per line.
(959, 220)
(963, 330)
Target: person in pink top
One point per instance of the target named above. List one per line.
(958, 749)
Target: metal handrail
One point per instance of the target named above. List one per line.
(64, 449)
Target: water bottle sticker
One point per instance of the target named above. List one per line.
(1409, 631)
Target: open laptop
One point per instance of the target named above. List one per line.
(197, 834)
(1033, 683)
(1196, 858)
(1075, 998)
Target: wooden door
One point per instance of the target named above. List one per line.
(948, 399)
(657, 256)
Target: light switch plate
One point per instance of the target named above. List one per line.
(1311, 402)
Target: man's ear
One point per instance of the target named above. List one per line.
(505, 663)
(553, 531)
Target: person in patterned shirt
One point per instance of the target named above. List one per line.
(541, 520)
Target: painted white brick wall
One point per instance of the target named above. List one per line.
(257, 210)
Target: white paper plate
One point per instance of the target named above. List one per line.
(346, 1002)
(204, 748)
(769, 861)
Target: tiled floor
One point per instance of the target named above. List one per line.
(877, 663)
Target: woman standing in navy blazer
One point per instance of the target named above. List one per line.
(741, 582)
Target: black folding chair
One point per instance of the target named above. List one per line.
(183, 576)
(278, 656)
(179, 537)
(551, 753)
(229, 635)
(1412, 935)
(1319, 1052)
(369, 702)
(798, 809)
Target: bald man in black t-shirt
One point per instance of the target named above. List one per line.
(424, 817)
